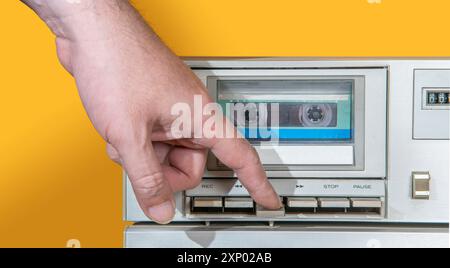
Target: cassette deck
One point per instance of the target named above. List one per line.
(337, 143)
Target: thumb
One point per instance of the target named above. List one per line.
(151, 188)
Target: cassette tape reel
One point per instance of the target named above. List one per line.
(316, 115)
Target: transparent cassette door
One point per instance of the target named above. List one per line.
(289, 111)
(296, 122)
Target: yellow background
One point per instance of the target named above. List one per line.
(56, 182)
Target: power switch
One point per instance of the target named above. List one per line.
(421, 185)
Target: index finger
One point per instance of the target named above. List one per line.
(239, 155)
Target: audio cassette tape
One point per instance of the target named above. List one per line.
(292, 111)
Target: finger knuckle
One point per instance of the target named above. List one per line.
(115, 159)
(150, 185)
(132, 132)
(112, 153)
(254, 154)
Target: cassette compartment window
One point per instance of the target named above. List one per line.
(290, 111)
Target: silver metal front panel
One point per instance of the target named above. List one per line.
(407, 155)
(404, 154)
(254, 236)
(431, 121)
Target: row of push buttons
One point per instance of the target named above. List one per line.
(291, 202)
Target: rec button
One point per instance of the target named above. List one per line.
(207, 202)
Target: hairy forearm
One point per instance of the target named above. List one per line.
(88, 20)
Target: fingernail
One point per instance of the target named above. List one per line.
(162, 213)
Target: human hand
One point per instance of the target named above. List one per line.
(128, 81)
